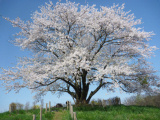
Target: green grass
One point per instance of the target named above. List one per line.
(66, 116)
(26, 115)
(120, 112)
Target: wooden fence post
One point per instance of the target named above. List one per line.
(70, 107)
(104, 103)
(74, 115)
(72, 111)
(34, 117)
(49, 106)
(46, 106)
(10, 109)
(40, 113)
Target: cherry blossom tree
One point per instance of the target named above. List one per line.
(75, 46)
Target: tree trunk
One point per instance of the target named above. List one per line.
(82, 89)
(81, 102)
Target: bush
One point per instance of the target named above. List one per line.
(58, 105)
(96, 102)
(36, 107)
(21, 112)
(111, 101)
(93, 102)
(116, 101)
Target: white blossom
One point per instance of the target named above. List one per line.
(74, 44)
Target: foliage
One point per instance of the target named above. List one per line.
(36, 107)
(59, 105)
(115, 101)
(96, 102)
(19, 106)
(13, 106)
(144, 100)
(110, 101)
(77, 46)
(130, 100)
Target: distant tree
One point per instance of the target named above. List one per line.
(26, 107)
(76, 46)
(144, 100)
(99, 101)
(13, 107)
(36, 107)
(130, 101)
(115, 101)
(19, 106)
(96, 102)
(59, 105)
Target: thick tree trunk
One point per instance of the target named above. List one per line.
(81, 96)
(81, 90)
(81, 102)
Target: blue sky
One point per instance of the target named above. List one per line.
(148, 10)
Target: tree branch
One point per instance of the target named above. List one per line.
(97, 89)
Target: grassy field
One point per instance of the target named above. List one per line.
(26, 115)
(120, 112)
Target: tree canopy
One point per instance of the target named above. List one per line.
(75, 46)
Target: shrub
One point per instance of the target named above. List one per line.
(116, 101)
(96, 102)
(59, 105)
(36, 107)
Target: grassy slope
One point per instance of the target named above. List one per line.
(92, 113)
(118, 113)
(26, 115)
